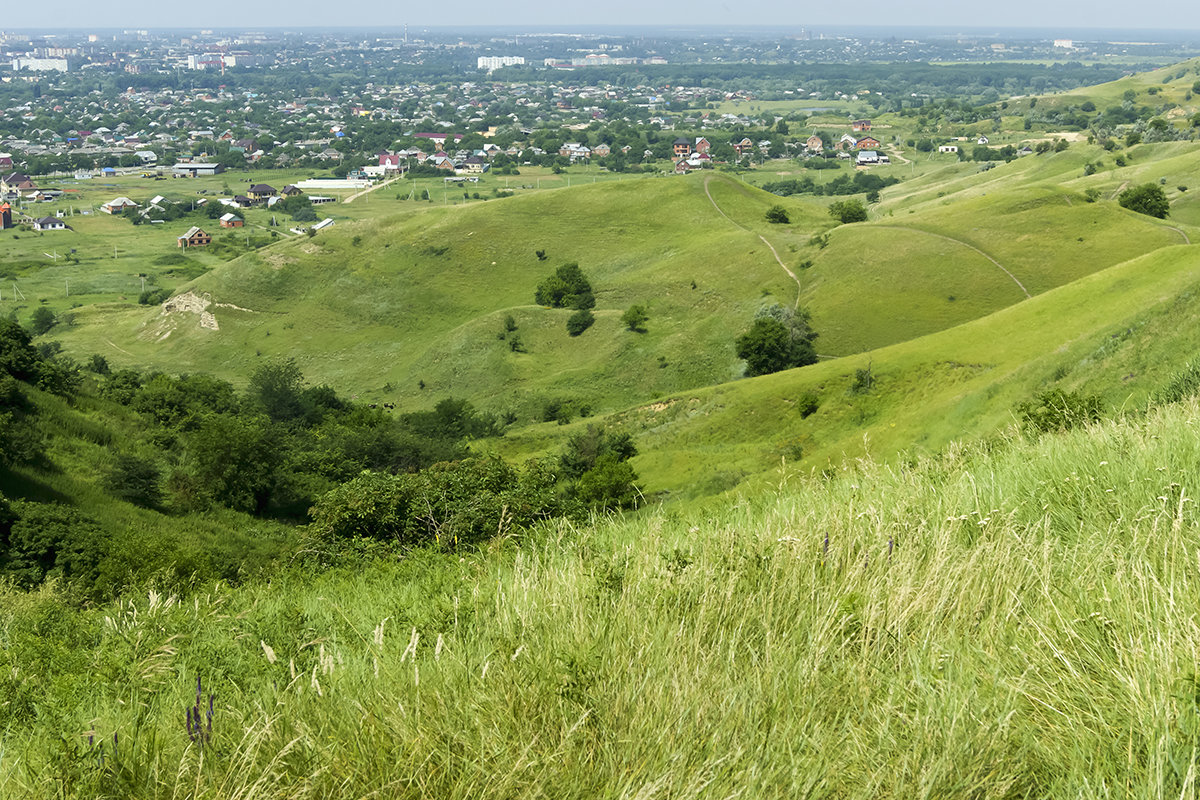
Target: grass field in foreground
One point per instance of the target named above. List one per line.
(1009, 621)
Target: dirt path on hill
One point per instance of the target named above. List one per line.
(1180, 231)
(368, 190)
(770, 247)
(1118, 190)
(1020, 285)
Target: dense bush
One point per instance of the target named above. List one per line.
(635, 318)
(450, 504)
(859, 183)
(1149, 199)
(1057, 410)
(566, 288)
(580, 321)
(777, 215)
(847, 211)
(779, 339)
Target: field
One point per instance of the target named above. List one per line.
(1012, 620)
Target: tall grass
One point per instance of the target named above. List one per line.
(1016, 619)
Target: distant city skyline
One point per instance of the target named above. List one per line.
(1167, 15)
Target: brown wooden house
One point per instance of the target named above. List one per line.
(195, 237)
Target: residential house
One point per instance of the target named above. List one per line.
(195, 237)
(867, 143)
(867, 158)
(601, 150)
(814, 144)
(947, 148)
(860, 125)
(5, 216)
(291, 191)
(702, 145)
(15, 183)
(473, 166)
(261, 191)
(241, 201)
(118, 205)
(682, 147)
(231, 220)
(744, 147)
(981, 140)
(391, 162)
(49, 224)
(847, 142)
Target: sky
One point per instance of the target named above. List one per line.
(787, 17)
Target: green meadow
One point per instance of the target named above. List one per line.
(874, 576)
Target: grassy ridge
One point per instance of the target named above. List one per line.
(1007, 621)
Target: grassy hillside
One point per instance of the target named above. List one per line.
(1120, 333)
(1011, 621)
(381, 308)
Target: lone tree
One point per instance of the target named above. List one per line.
(779, 339)
(778, 215)
(846, 211)
(635, 318)
(566, 288)
(1149, 199)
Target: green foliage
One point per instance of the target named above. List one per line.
(844, 184)
(447, 505)
(779, 339)
(153, 297)
(1148, 198)
(135, 479)
(21, 441)
(580, 321)
(99, 365)
(453, 419)
(18, 357)
(50, 540)
(234, 461)
(864, 380)
(43, 320)
(568, 287)
(778, 215)
(846, 211)
(807, 404)
(1055, 410)
(1182, 386)
(584, 450)
(635, 318)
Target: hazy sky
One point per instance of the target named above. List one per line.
(1074, 14)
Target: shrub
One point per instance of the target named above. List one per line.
(153, 297)
(580, 321)
(50, 540)
(779, 339)
(635, 318)
(1056, 410)
(777, 215)
(137, 480)
(847, 211)
(42, 321)
(451, 504)
(1149, 199)
(807, 404)
(568, 287)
